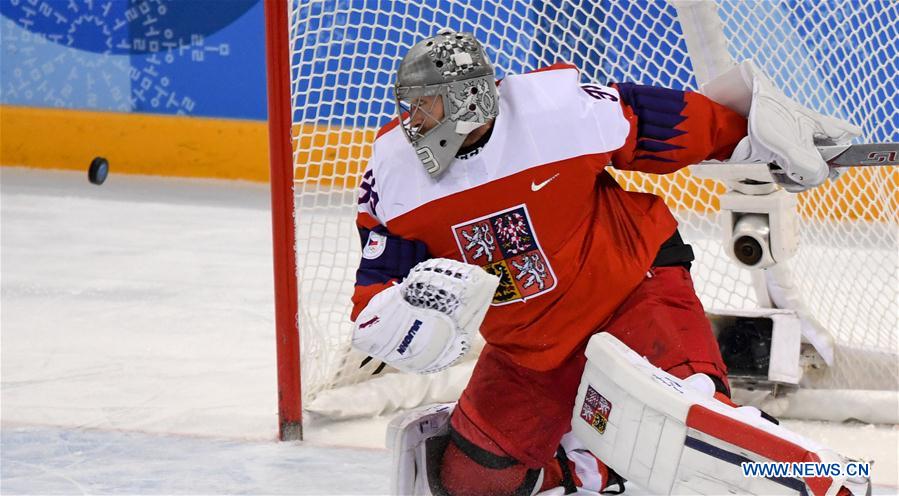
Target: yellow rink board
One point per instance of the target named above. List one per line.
(863, 193)
(134, 143)
(333, 156)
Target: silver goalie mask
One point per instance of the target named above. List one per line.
(449, 70)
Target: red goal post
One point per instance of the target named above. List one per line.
(287, 331)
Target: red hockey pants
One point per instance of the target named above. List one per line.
(509, 420)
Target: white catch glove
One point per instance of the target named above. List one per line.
(781, 131)
(426, 323)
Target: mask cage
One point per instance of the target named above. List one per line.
(414, 114)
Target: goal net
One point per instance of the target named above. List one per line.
(838, 57)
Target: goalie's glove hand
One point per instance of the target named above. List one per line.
(460, 290)
(783, 133)
(426, 324)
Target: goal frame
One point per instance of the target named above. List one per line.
(287, 328)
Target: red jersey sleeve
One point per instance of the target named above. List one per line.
(671, 129)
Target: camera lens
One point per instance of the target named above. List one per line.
(748, 250)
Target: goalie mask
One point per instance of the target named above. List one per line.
(449, 70)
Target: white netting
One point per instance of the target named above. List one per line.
(838, 57)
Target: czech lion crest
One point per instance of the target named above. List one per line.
(505, 244)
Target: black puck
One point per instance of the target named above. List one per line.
(98, 170)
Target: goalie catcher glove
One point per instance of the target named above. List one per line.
(460, 290)
(781, 131)
(426, 324)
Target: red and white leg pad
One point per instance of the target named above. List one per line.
(671, 437)
(407, 440)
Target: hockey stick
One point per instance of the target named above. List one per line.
(864, 155)
(844, 156)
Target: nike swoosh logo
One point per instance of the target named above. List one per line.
(538, 187)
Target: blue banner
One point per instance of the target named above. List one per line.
(194, 57)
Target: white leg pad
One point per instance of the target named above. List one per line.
(407, 434)
(672, 437)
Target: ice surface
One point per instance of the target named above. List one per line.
(76, 461)
(138, 350)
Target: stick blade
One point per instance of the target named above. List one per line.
(864, 155)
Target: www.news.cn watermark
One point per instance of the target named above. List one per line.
(805, 469)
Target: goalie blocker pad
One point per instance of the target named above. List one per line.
(669, 437)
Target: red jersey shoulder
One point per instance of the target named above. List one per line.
(558, 66)
(386, 128)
